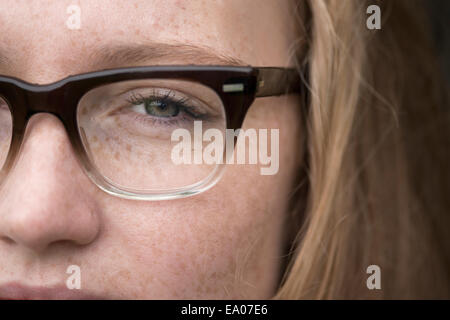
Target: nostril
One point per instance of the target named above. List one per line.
(6, 239)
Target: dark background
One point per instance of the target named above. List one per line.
(440, 17)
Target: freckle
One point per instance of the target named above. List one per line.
(128, 147)
(208, 289)
(124, 274)
(94, 139)
(117, 156)
(156, 25)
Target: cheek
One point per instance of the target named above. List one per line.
(223, 243)
(214, 247)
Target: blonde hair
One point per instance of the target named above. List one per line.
(378, 183)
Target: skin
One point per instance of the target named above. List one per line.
(227, 242)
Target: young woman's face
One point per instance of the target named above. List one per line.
(227, 242)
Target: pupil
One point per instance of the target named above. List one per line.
(162, 109)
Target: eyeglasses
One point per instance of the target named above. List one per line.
(120, 121)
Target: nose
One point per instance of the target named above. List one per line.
(46, 197)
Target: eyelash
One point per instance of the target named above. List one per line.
(182, 103)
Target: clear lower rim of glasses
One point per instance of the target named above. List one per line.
(157, 195)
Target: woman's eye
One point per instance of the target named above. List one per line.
(165, 106)
(163, 109)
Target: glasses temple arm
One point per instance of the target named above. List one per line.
(278, 81)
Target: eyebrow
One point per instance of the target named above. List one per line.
(124, 55)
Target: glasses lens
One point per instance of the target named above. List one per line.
(148, 134)
(5, 130)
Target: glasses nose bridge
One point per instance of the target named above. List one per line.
(43, 101)
(32, 100)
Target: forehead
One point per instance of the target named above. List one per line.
(34, 33)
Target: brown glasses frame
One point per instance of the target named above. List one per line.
(236, 86)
